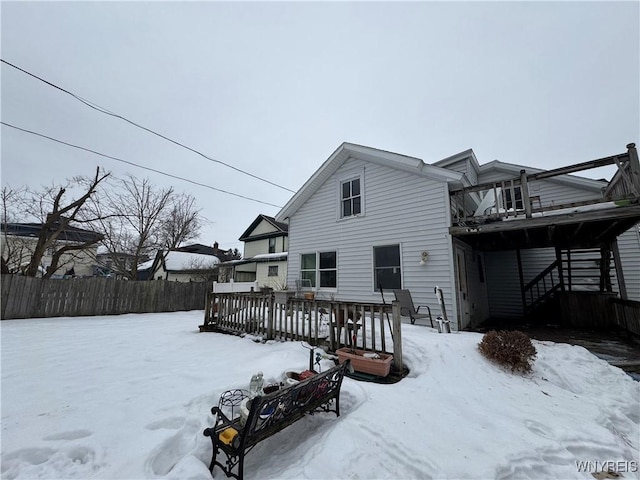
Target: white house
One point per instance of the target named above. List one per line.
(184, 266)
(18, 242)
(265, 255)
(369, 218)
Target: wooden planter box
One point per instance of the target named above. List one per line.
(373, 366)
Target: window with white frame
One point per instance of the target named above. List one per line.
(320, 269)
(273, 271)
(387, 271)
(350, 198)
(513, 198)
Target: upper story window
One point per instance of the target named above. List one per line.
(351, 198)
(272, 245)
(513, 198)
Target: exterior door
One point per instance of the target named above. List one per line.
(464, 310)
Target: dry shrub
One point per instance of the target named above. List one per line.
(509, 348)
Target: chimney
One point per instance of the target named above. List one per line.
(215, 245)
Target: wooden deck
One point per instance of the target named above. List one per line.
(575, 225)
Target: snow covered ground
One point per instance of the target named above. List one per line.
(127, 397)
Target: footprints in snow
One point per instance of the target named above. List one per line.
(171, 423)
(70, 435)
(70, 461)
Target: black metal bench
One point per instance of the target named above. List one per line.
(271, 413)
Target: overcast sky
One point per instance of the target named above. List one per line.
(275, 88)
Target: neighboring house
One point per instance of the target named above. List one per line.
(265, 255)
(18, 241)
(223, 255)
(114, 265)
(368, 218)
(182, 267)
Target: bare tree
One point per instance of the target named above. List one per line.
(14, 250)
(203, 269)
(182, 221)
(138, 218)
(56, 216)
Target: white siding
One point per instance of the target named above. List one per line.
(550, 192)
(263, 278)
(262, 228)
(257, 247)
(400, 208)
(465, 166)
(503, 280)
(629, 246)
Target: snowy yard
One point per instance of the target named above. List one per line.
(127, 397)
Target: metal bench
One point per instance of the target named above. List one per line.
(269, 414)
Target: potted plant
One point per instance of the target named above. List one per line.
(365, 361)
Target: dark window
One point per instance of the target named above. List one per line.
(272, 245)
(351, 198)
(320, 269)
(273, 271)
(386, 266)
(509, 195)
(328, 270)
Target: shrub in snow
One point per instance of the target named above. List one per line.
(511, 349)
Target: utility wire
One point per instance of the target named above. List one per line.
(137, 165)
(107, 112)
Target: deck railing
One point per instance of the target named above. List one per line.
(335, 324)
(542, 287)
(511, 197)
(627, 314)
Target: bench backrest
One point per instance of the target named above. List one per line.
(271, 413)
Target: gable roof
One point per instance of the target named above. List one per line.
(467, 154)
(281, 228)
(176, 261)
(367, 154)
(572, 180)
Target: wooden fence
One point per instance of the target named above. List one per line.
(27, 297)
(371, 327)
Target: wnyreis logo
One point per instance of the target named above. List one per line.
(613, 467)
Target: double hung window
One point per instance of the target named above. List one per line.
(320, 269)
(351, 198)
(387, 271)
(513, 198)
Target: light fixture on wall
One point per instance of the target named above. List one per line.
(423, 257)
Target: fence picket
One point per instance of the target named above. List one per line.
(27, 297)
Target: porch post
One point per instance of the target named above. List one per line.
(560, 268)
(271, 315)
(622, 286)
(605, 275)
(634, 167)
(397, 335)
(524, 188)
(521, 275)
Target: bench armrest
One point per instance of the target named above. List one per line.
(222, 419)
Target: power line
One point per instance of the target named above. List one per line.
(137, 165)
(107, 112)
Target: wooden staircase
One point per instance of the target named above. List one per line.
(585, 270)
